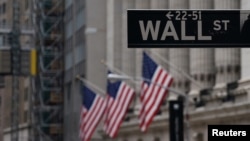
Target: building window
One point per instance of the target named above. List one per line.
(173, 85)
(179, 84)
(68, 91)
(26, 4)
(221, 70)
(187, 84)
(202, 77)
(26, 94)
(25, 116)
(229, 69)
(4, 8)
(199, 137)
(157, 139)
(195, 77)
(237, 69)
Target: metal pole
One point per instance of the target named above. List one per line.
(16, 57)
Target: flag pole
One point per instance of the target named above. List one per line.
(176, 68)
(91, 85)
(118, 71)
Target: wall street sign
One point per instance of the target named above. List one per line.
(188, 28)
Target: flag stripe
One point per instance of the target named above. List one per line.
(117, 108)
(151, 101)
(152, 110)
(94, 117)
(91, 129)
(118, 105)
(91, 114)
(118, 124)
(120, 112)
(152, 93)
(114, 105)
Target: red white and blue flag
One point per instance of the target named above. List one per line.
(91, 114)
(119, 98)
(153, 90)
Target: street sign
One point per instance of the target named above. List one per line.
(188, 28)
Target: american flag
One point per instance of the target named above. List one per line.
(153, 90)
(92, 112)
(119, 98)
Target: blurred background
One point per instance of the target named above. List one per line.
(45, 44)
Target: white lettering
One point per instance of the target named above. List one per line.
(217, 25)
(149, 28)
(243, 133)
(172, 32)
(225, 24)
(215, 132)
(183, 32)
(200, 36)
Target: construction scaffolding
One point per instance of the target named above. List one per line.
(47, 85)
(14, 41)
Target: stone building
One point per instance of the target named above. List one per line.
(103, 35)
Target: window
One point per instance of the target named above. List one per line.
(229, 68)
(26, 4)
(68, 91)
(202, 77)
(25, 116)
(79, 54)
(237, 69)
(4, 8)
(68, 61)
(157, 139)
(221, 70)
(187, 84)
(26, 94)
(69, 27)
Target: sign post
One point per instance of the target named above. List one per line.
(176, 120)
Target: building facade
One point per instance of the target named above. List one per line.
(96, 30)
(85, 46)
(214, 69)
(6, 89)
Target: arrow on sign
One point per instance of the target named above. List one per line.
(169, 15)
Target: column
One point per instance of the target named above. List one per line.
(245, 66)
(201, 4)
(114, 45)
(139, 4)
(202, 67)
(178, 4)
(128, 54)
(159, 4)
(226, 4)
(163, 52)
(117, 33)
(227, 60)
(179, 56)
(245, 4)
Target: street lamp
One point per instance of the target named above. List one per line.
(112, 76)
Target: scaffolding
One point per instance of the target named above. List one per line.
(47, 86)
